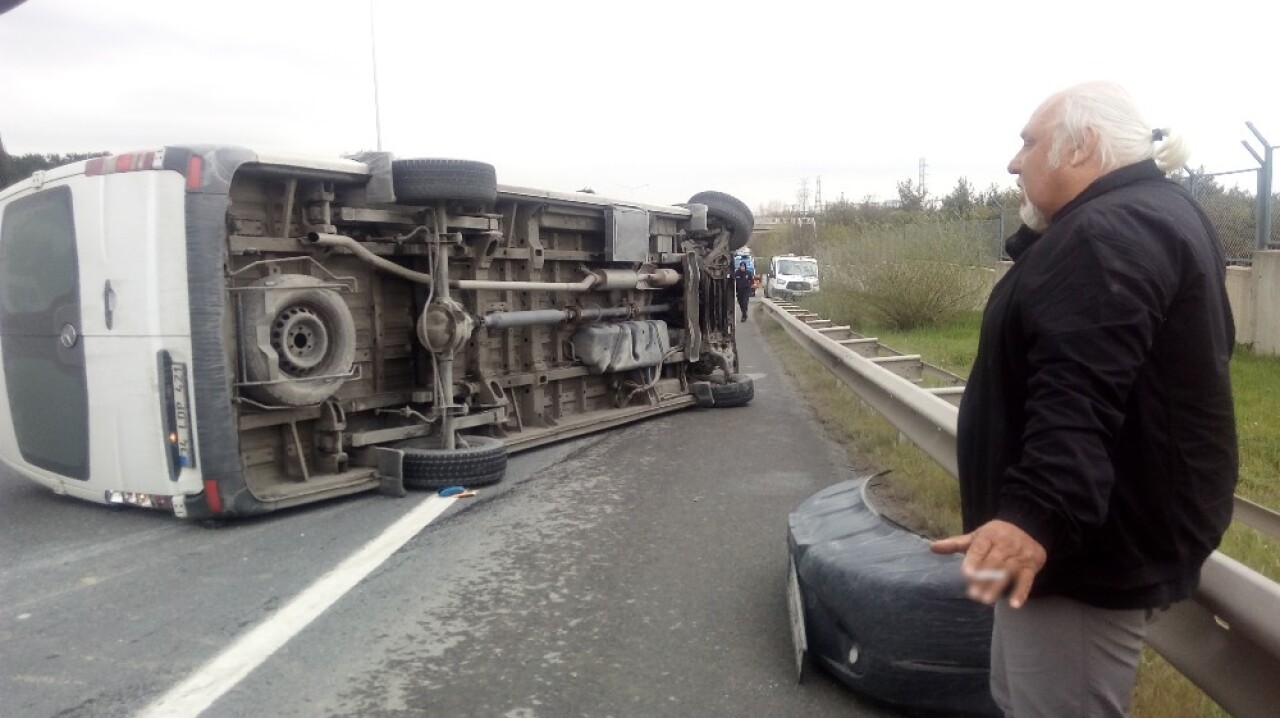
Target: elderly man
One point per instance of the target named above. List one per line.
(1096, 442)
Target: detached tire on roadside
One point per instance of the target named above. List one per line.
(890, 620)
(422, 181)
(730, 213)
(480, 462)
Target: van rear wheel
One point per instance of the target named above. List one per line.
(738, 390)
(477, 461)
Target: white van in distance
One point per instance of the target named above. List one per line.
(792, 276)
(214, 331)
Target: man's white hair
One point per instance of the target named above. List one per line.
(1124, 137)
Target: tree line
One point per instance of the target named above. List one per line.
(1232, 210)
(964, 201)
(15, 168)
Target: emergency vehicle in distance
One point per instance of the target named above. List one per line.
(791, 276)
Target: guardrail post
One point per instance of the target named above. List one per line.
(1264, 186)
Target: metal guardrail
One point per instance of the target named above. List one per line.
(1259, 517)
(950, 387)
(1226, 639)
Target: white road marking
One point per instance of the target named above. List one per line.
(194, 695)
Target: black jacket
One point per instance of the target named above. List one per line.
(742, 282)
(1098, 416)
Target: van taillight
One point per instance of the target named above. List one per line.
(176, 415)
(130, 162)
(212, 496)
(195, 172)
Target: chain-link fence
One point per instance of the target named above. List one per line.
(1273, 242)
(1233, 211)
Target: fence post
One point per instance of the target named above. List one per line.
(1264, 186)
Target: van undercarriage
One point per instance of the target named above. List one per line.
(414, 336)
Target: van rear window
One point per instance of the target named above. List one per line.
(40, 332)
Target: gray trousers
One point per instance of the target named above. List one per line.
(1059, 658)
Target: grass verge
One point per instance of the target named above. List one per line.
(927, 499)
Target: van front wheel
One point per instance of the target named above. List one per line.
(424, 181)
(729, 212)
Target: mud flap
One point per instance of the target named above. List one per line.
(390, 464)
(702, 393)
(799, 634)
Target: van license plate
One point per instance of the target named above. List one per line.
(182, 416)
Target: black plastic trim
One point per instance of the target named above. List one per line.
(217, 439)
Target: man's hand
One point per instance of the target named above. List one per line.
(996, 554)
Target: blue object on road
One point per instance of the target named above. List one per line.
(451, 490)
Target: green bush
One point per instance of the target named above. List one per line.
(908, 279)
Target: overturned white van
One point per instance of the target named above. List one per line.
(215, 331)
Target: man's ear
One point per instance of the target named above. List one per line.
(1087, 150)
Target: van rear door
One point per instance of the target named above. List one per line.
(41, 333)
(133, 277)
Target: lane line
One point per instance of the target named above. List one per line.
(224, 671)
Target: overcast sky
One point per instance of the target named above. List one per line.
(649, 99)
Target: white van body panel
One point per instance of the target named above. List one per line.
(130, 233)
(127, 437)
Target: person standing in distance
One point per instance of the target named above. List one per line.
(1096, 439)
(742, 283)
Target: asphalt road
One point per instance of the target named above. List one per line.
(636, 572)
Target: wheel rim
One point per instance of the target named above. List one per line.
(301, 339)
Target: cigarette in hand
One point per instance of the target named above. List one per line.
(989, 574)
